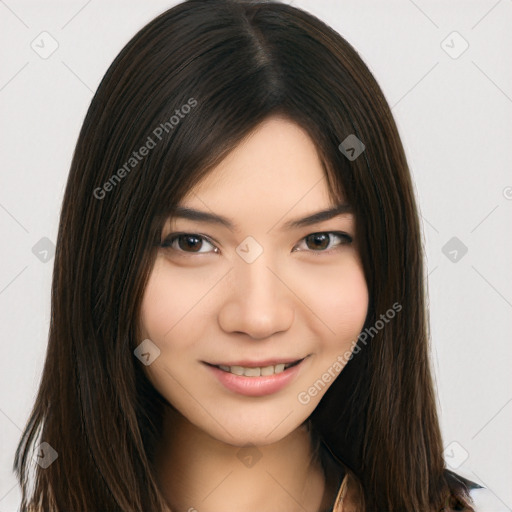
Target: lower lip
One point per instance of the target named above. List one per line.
(256, 386)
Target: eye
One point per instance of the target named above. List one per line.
(323, 242)
(189, 243)
(193, 243)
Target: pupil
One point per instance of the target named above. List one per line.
(320, 240)
(192, 242)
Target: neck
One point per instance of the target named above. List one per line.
(198, 473)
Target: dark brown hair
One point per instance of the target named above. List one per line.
(233, 63)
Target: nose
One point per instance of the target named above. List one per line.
(258, 303)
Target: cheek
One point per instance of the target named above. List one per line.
(347, 305)
(159, 309)
(171, 298)
(170, 316)
(342, 307)
(342, 302)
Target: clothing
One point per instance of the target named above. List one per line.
(484, 500)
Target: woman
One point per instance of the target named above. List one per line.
(238, 310)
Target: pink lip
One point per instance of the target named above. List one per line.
(255, 386)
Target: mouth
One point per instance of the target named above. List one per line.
(264, 370)
(257, 379)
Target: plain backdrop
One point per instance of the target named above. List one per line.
(445, 70)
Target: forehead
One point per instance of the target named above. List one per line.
(276, 165)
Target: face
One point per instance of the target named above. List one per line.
(254, 313)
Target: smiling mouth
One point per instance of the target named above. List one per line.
(257, 371)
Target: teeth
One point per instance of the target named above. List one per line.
(255, 372)
(279, 368)
(268, 370)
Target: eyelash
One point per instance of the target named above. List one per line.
(167, 243)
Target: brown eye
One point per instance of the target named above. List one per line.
(188, 242)
(318, 241)
(324, 242)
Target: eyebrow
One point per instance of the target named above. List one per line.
(183, 212)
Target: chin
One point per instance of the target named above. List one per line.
(256, 431)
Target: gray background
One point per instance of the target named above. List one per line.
(453, 110)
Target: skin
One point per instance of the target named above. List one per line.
(205, 303)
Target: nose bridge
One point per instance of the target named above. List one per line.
(251, 268)
(258, 303)
(256, 280)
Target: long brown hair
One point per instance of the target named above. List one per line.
(188, 87)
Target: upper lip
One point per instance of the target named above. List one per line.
(258, 364)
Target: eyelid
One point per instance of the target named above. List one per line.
(169, 240)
